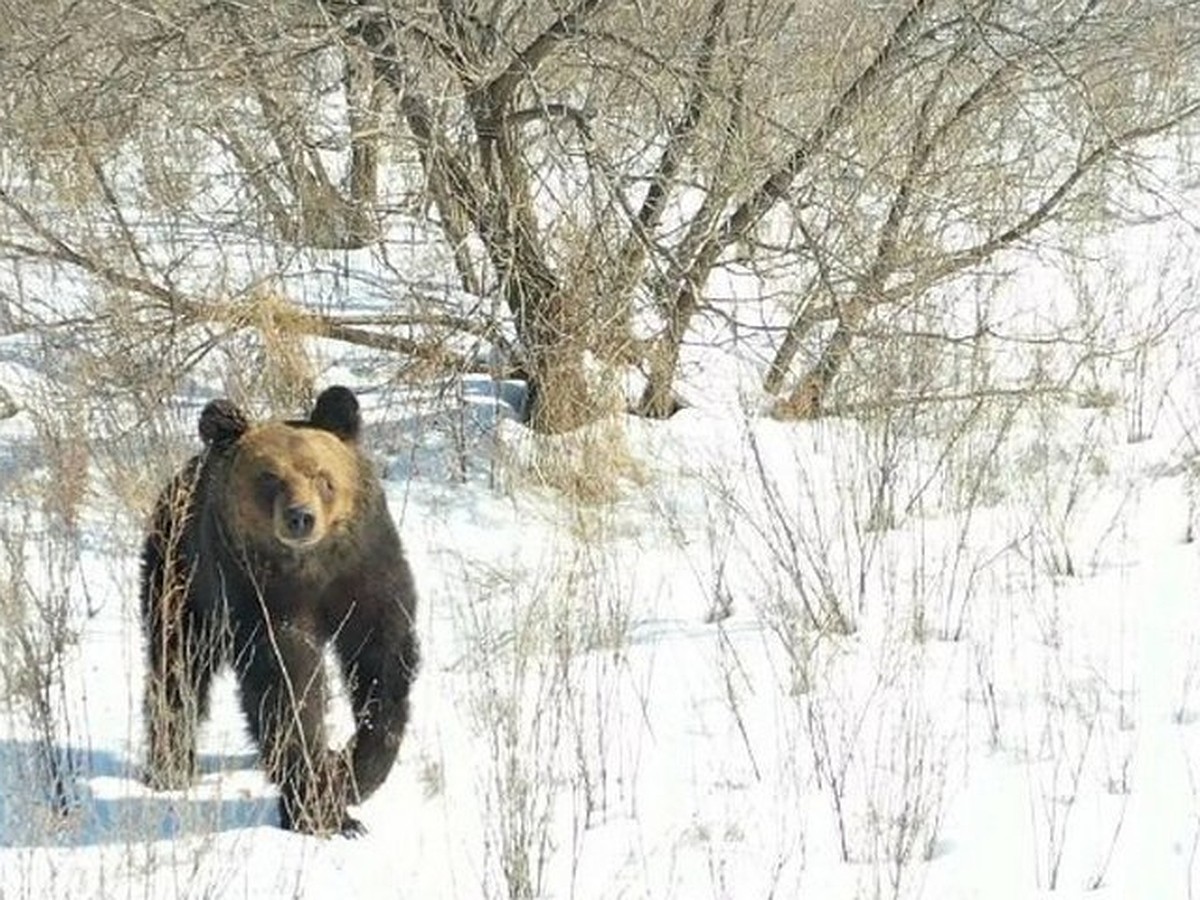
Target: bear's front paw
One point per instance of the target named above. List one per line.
(319, 819)
(352, 827)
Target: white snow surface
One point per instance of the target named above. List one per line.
(984, 726)
(947, 658)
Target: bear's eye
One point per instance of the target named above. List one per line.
(325, 486)
(268, 486)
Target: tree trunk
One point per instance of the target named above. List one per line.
(702, 258)
(552, 325)
(659, 400)
(561, 397)
(798, 329)
(490, 189)
(807, 399)
(364, 102)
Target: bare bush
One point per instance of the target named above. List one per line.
(43, 601)
(883, 765)
(38, 633)
(519, 706)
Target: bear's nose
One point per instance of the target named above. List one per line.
(299, 521)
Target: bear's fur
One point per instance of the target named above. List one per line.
(272, 544)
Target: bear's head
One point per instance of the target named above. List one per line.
(287, 484)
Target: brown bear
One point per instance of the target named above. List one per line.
(269, 546)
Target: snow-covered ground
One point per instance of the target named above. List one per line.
(627, 697)
(950, 652)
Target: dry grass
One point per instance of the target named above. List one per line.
(588, 466)
(272, 333)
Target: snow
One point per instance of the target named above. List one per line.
(626, 695)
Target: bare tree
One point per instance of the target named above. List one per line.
(490, 73)
(1001, 120)
(289, 65)
(871, 155)
(586, 169)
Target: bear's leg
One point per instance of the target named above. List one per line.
(379, 667)
(182, 656)
(283, 694)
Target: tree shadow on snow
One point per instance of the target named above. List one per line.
(438, 434)
(108, 804)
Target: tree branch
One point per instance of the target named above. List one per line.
(191, 311)
(1044, 210)
(682, 135)
(501, 88)
(57, 249)
(771, 190)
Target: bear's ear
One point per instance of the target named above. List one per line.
(222, 423)
(337, 412)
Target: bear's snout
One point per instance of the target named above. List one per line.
(298, 522)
